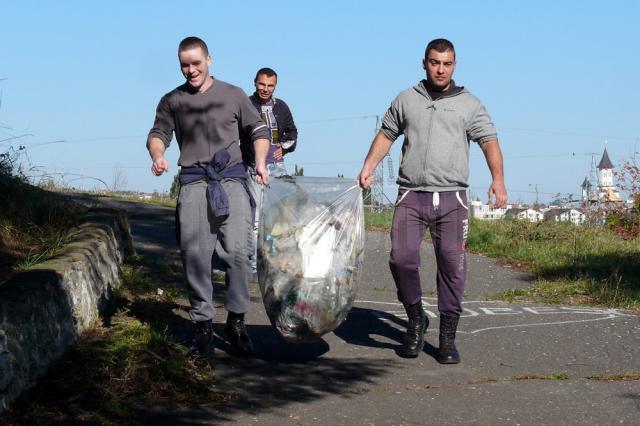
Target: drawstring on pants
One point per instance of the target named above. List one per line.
(436, 200)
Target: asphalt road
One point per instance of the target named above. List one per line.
(521, 363)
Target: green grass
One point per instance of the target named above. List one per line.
(142, 278)
(378, 220)
(50, 246)
(33, 223)
(572, 264)
(622, 377)
(132, 361)
(155, 200)
(553, 376)
(112, 371)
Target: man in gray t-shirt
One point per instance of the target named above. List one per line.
(215, 209)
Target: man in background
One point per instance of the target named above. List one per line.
(276, 115)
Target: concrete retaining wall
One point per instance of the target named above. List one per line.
(45, 309)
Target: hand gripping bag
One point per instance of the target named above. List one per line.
(310, 252)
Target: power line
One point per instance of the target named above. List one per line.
(15, 137)
(45, 143)
(107, 138)
(573, 154)
(556, 132)
(69, 174)
(329, 163)
(476, 188)
(361, 117)
(518, 129)
(104, 167)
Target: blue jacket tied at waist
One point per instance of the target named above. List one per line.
(213, 173)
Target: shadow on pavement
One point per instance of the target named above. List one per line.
(280, 374)
(270, 347)
(362, 325)
(258, 386)
(635, 397)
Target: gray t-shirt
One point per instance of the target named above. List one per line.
(205, 122)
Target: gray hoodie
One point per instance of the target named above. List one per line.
(435, 152)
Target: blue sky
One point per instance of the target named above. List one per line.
(558, 78)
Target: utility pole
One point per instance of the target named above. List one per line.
(377, 189)
(378, 197)
(593, 176)
(1, 79)
(535, 188)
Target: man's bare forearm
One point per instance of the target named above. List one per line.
(156, 147)
(379, 148)
(493, 155)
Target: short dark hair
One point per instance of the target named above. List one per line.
(266, 71)
(440, 45)
(191, 42)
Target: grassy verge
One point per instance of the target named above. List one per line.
(127, 365)
(155, 200)
(112, 372)
(378, 220)
(573, 264)
(33, 224)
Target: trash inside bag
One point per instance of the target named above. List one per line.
(310, 252)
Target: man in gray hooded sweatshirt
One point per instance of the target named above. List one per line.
(438, 119)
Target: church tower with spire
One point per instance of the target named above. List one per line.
(607, 191)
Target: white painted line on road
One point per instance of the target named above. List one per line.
(536, 310)
(537, 324)
(506, 311)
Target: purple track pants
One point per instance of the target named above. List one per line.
(446, 216)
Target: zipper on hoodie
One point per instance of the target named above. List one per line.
(426, 159)
(433, 113)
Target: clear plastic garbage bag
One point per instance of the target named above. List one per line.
(310, 252)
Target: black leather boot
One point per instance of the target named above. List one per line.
(237, 335)
(202, 342)
(413, 340)
(448, 353)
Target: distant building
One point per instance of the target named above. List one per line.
(589, 196)
(477, 210)
(527, 214)
(606, 190)
(565, 215)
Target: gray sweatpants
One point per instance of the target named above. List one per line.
(230, 236)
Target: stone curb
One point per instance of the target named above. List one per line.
(45, 309)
